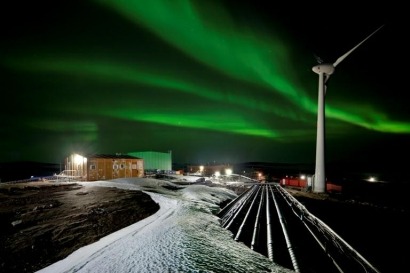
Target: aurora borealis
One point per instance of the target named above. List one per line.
(213, 81)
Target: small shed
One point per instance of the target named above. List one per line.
(103, 167)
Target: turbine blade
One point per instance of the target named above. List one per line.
(325, 83)
(327, 77)
(341, 58)
(318, 59)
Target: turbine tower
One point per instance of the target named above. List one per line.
(325, 70)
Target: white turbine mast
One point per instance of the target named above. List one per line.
(325, 70)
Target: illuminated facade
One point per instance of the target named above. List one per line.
(103, 167)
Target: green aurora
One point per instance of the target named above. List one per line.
(170, 67)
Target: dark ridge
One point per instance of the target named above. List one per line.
(19, 170)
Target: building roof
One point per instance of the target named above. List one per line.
(116, 156)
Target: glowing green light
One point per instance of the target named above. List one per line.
(240, 53)
(260, 63)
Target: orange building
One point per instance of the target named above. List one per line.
(102, 167)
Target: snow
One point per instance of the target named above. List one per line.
(183, 236)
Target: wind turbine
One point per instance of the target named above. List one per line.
(325, 70)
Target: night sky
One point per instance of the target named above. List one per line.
(212, 81)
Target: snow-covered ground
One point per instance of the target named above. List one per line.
(183, 236)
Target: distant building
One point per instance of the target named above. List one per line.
(154, 161)
(210, 170)
(101, 167)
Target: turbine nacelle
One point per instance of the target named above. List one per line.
(326, 69)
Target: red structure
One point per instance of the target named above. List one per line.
(306, 184)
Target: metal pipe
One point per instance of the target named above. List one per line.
(237, 205)
(269, 228)
(305, 215)
(225, 209)
(241, 207)
(256, 226)
(247, 215)
(285, 233)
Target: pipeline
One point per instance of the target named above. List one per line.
(256, 226)
(242, 205)
(285, 233)
(269, 229)
(246, 216)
